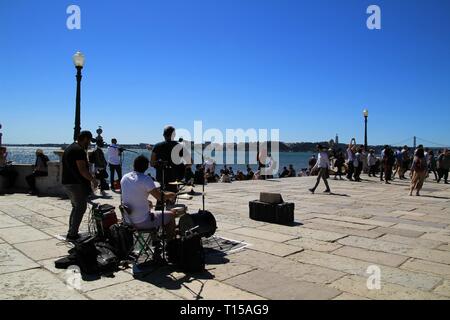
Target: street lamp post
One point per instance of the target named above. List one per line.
(78, 60)
(366, 115)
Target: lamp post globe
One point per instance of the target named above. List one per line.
(366, 115)
(78, 61)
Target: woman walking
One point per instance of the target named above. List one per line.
(388, 163)
(323, 163)
(419, 171)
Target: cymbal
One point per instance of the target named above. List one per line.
(176, 183)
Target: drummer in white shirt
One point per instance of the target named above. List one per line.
(136, 186)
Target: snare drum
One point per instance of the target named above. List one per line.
(180, 209)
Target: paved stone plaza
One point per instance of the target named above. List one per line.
(325, 255)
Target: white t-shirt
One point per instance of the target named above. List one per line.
(322, 160)
(113, 154)
(135, 189)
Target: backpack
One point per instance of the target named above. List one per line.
(85, 254)
(121, 239)
(106, 258)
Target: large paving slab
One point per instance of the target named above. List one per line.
(35, 284)
(277, 287)
(325, 254)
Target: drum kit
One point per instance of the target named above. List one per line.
(201, 224)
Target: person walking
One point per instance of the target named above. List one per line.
(371, 162)
(443, 165)
(419, 171)
(339, 164)
(388, 163)
(114, 161)
(432, 164)
(383, 152)
(358, 164)
(323, 163)
(40, 170)
(77, 181)
(351, 150)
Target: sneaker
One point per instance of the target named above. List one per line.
(327, 191)
(311, 190)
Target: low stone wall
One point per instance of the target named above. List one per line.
(50, 185)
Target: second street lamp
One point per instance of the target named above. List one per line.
(366, 115)
(78, 60)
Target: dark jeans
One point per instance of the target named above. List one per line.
(351, 170)
(388, 172)
(10, 174)
(443, 173)
(323, 174)
(372, 171)
(78, 195)
(358, 171)
(338, 172)
(432, 170)
(112, 169)
(31, 179)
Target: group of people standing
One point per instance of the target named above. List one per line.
(420, 163)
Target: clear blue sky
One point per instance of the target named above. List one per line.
(308, 68)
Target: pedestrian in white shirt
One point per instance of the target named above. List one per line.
(323, 163)
(114, 153)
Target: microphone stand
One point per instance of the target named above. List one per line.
(163, 188)
(163, 209)
(203, 185)
(203, 193)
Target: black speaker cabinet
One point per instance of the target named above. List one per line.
(273, 213)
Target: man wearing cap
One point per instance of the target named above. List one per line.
(77, 180)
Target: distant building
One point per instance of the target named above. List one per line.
(337, 139)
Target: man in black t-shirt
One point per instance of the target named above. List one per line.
(77, 180)
(162, 156)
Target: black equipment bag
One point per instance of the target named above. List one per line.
(66, 262)
(273, 213)
(106, 258)
(86, 256)
(121, 239)
(187, 253)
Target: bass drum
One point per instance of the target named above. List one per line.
(203, 220)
